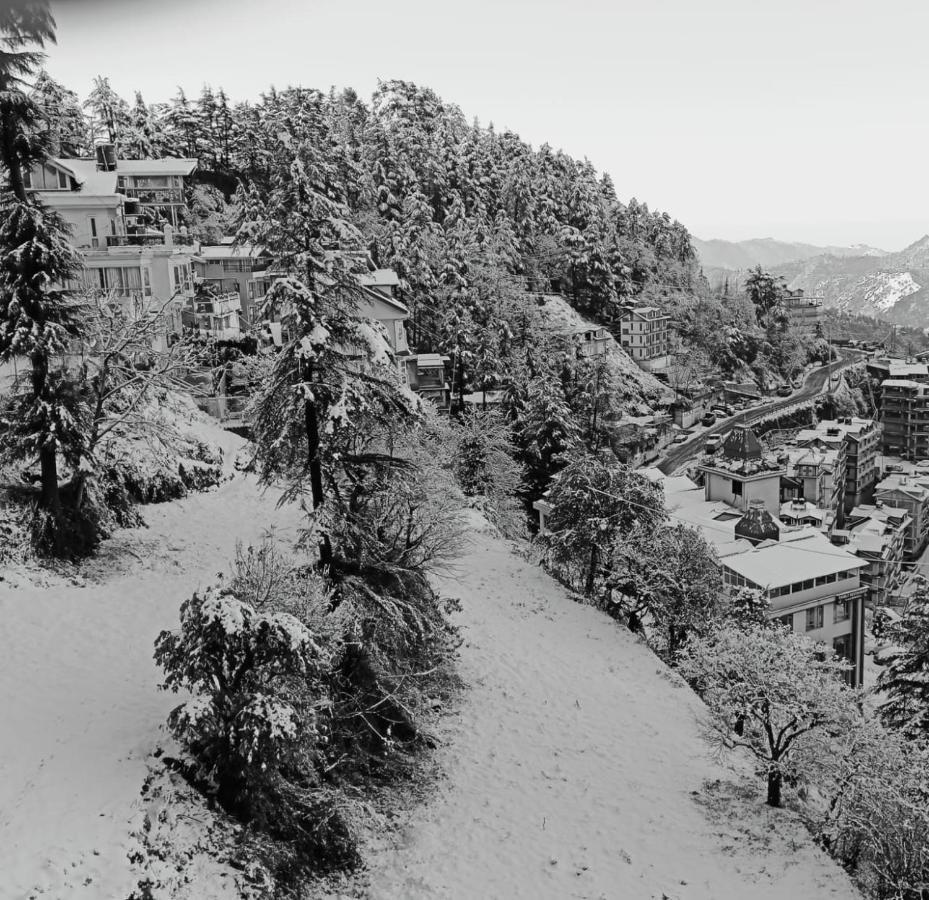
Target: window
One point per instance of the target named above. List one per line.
(62, 180)
(27, 179)
(814, 618)
(842, 611)
(842, 646)
(736, 488)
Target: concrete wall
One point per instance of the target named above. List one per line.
(720, 487)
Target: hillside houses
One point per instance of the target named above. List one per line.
(813, 586)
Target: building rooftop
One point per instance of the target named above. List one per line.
(798, 556)
(229, 251)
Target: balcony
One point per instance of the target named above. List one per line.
(154, 239)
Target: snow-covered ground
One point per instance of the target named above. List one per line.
(79, 707)
(575, 768)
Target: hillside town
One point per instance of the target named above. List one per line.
(389, 509)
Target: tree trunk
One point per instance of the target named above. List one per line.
(775, 778)
(50, 499)
(592, 567)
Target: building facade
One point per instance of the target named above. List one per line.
(645, 335)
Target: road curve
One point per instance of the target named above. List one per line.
(679, 454)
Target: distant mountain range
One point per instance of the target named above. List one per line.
(767, 252)
(894, 287)
(860, 279)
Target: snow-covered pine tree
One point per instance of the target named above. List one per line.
(546, 433)
(61, 110)
(37, 317)
(336, 371)
(109, 113)
(904, 682)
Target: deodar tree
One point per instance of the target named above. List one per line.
(336, 370)
(37, 318)
(904, 683)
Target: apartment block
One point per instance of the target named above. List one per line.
(905, 418)
(805, 314)
(644, 334)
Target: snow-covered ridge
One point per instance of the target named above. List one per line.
(880, 291)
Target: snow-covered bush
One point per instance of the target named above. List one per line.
(595, 501)
(666, 583)
(256, 724)
(773, 693)
(255, 679)
(485, 468)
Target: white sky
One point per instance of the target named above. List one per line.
(802, 120)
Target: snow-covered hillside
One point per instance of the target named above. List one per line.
(575, 768)
(877, 293)
(630, 383)
(79, 704)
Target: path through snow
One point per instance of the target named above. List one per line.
(79, 707)
(575, 769)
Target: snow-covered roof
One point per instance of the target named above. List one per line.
(166, 166)
(227, 251)
(380, 278)
(901, 383)
(800, 556)
(92, 181)
(430, 360)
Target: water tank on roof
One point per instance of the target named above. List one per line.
(106, 157)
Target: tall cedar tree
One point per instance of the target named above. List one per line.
(36, 317)
(336, 369)
(905, 680)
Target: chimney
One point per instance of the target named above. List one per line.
(106, 157)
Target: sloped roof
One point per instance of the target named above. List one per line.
(167, 166)
(741, 443)
(88, 176)
(228, 251)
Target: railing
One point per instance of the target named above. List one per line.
(148, 240)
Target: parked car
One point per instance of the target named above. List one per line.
(712, 443)
(785, 390)
(679, 438)
(892, 468)
(722, 410)
(708, 419)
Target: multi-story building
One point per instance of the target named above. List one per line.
(877, 534)
(805, 314)
(123, 252)
(814, 474)
(857, 442)
(213, 315)
(645, 335)
(742, 473)
(910, 493)
(905, 418)
(812, 586)
(241, 269)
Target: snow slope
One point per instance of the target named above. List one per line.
(575, 769)
(79, 704)
(629, 382)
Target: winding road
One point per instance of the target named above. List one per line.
(680, 454)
